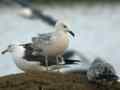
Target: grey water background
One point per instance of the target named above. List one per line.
(97, 29)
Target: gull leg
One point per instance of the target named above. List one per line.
(62, 60)
(58, 62)
(46, 62)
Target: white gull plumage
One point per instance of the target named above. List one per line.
(18, 53)
(52, 44)
(49, 44)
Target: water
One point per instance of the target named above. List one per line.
(96, 27)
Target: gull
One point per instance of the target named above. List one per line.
(23, 58)
(22, 55)
(33, 13)
(26, 10)
(52, 44)
(29, 11)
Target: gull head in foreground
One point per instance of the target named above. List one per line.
(52, 44)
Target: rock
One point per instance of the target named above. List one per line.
(101, 71)
(48, 81)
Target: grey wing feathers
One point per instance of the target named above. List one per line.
(45, 37)
(42, 37)
(41, 41)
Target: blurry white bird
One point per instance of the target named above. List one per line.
(33, 13)
(29, 11)
(24, 60)
(52, 44)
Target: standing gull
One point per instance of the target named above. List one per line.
(23, 58)
(52, 44)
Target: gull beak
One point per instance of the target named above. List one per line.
(5, 51)
(71, 33)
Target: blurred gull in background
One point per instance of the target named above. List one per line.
(29, 11)
(33, 13)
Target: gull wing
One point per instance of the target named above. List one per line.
(42, 40)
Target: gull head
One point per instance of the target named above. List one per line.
(62, 27)
(11, 48)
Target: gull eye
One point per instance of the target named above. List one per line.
(64, 26)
